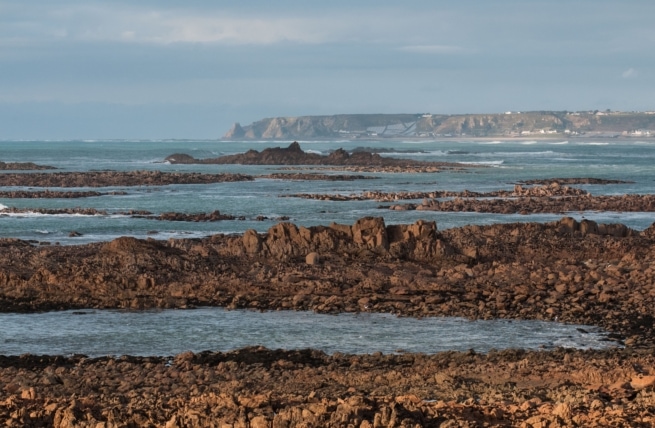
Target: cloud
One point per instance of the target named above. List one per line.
(630, 73)
(98, 22)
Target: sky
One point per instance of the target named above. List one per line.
(85, 69)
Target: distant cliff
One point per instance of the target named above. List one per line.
(509, 124)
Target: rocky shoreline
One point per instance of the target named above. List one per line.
(580, 272)
(262, 388)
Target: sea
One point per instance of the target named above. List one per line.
(494, 165)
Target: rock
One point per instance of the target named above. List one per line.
(641, 382)
(312, 258)
(294, 155)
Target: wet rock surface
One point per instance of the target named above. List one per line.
(540, 204)
(54, 194)
(115, 178)
(574, 180)
(550, 198)
(550, 190)
(317, 177)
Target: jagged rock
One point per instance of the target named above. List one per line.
(294, 155)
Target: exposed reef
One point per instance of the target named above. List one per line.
(54, 194)
(115, 178)
(294, 155)
(580, 272)
(23, 166)
(550, 198)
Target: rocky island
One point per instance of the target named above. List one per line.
(294, 155)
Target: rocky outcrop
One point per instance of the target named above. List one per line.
(294, 155)
(580, 272)
(23, 166)
(116, 178)
(572, 180)
(575, 271)
(53, 194)
(536, 202)
(260, 388)
(235, 132)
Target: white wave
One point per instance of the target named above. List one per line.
(491, 163)
(414, 154)
(3, 207)
(528, 143)
(561, 143)
(593, 143)
(316, 152)
(541, 153)
(32, 214)
(43, 231)
(491, 142)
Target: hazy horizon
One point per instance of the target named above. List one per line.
(168, 70)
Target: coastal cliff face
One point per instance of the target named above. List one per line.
(509, 124)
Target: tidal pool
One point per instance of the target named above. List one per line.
(168, 332)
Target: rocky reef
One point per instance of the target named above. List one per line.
(115, 178)
(294, 155)
(582, 272)
(23, 166)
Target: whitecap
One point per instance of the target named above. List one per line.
(540, 153)
(3, 207)
(528, 143)
(560, 143)
(490, 163)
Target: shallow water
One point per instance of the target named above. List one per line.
(169, 332)
(505, 163)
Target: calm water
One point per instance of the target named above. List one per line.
(169, 332)
(107, 332)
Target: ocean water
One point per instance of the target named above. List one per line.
(501, 164)
(109, 332)
(504, 163)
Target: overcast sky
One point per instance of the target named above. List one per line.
(188, 69)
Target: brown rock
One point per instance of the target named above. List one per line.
(312, 258)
